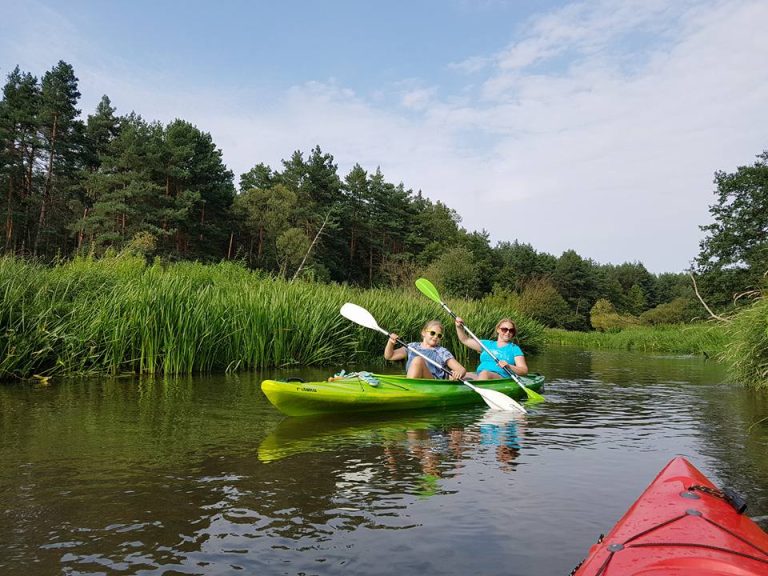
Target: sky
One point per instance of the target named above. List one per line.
(595, 126)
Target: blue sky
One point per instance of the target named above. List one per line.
(595, 126)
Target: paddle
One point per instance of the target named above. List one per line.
(428, 289)
(493, 398)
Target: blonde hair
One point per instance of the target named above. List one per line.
(431, 323)
(500, 322)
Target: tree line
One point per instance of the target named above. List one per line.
(110, 182)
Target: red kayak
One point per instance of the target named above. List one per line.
(682, 525)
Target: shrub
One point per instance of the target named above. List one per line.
(677, 311)
(604, 317)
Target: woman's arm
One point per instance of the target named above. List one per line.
(457, 370)
(465, 338)
(389, 350)
(520, 367)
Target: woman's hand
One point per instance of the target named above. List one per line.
(458, 373)
(389, 350)
(507, 367)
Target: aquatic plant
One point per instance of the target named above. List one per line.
(119, 314)
(746, 351)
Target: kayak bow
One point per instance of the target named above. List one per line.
(682, 525)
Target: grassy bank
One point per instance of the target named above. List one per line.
(117, 315)
(747, 349)
(705, 338)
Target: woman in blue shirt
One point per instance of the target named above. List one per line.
(508, 353)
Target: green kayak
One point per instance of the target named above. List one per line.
(365, 392)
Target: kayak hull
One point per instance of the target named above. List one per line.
(377, 392)
(680, 526)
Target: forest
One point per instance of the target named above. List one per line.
(107, 183)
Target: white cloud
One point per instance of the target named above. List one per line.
(571, 141)
(418, 99)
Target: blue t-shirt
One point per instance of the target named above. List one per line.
(439, 354)
(506, 353)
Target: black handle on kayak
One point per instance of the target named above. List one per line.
(735, 499)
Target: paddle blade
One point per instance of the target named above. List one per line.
(533, 396)
(360, 315)
(428, 289)
(499, 401)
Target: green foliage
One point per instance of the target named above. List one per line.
(456, 272)
(747, 349)
(119, 314)
(577, 282)
(733, 257)
(142, 243)
(679, 311)
(636, 300)
(292, 246)
(541, 301)
(738, 237)
(699, 338)
(120, 183)
(520, 264)
(504, 300)
(265, 213)
(605, 318)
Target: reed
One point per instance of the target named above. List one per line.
(747, 350)
(701, 338)
(118, 314)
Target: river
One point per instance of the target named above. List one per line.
(203, 476)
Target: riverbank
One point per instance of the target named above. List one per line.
(120, 315)
(705, 338)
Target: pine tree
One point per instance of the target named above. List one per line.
(19, 148)
(62, 136)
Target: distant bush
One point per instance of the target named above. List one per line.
(678, 311)
(604, 317)
(541, 300)
(699, 338)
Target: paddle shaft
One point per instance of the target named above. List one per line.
(494, 398)
(428, 359)
(506, 369)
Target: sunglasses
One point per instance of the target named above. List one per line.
(433, 333)
(504, 330)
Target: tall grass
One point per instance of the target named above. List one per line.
(704, 338)
(747, 350)
(118, 314)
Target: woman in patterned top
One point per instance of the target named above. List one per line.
(416, 366)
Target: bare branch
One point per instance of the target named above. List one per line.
(314, 241)
(696, 289)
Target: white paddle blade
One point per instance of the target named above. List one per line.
(360, 315)
(499, 401)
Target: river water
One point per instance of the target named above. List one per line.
(203, 476)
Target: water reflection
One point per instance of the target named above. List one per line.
(204, 476)
(418, 433)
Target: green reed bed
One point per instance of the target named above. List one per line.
(747, 350)
(703, 338)
(120, 315)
